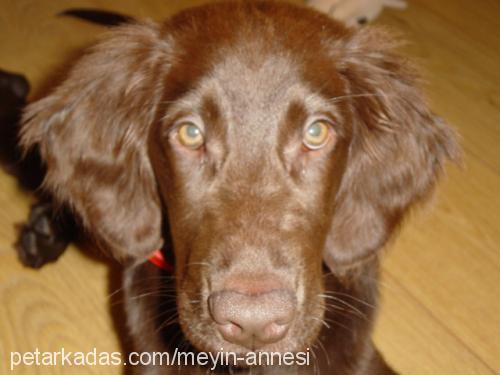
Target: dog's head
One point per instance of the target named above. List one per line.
(271, 137)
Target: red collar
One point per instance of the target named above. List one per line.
(159, 260)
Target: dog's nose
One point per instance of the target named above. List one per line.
(253, 319)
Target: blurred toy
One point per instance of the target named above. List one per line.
(355, 12)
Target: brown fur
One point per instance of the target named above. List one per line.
(252, 203)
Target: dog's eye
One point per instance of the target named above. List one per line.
(316, 135)
(190, 135)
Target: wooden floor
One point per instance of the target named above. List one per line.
(441, 283)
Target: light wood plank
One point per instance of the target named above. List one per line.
(462, 76)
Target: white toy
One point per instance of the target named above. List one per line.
(355, 12)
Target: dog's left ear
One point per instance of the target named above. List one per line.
(397, 151)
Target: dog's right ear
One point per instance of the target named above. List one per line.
(92, 131)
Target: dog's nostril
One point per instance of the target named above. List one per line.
(255, 336)
(253, 320)
(275, 330)
(230, 330)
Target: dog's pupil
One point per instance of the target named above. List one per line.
(314, 130)
(192, 131)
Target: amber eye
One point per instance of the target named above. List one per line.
(190, 135)
(316, 134)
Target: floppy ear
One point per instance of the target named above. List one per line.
(397, 151)
(92, 131)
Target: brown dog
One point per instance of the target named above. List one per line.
(264, 140)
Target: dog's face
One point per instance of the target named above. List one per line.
(249, 158)
(272, 138)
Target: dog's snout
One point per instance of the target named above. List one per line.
(250, 319)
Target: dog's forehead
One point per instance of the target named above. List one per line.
(253, 92)
(255, 80)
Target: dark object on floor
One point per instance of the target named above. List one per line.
(44, 238)
(29, 170)
(100, 17)
(14, 89)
